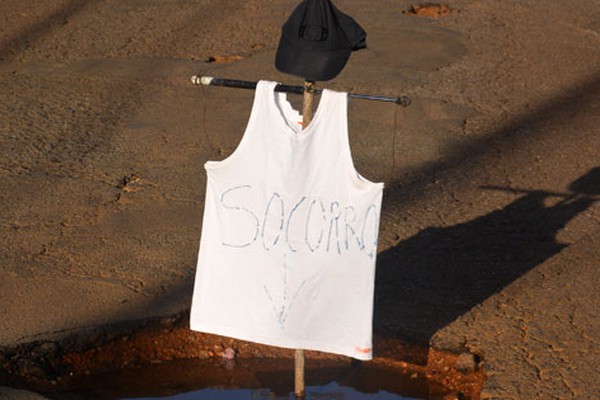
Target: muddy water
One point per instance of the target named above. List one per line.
(163, 359)
(250, 379)
(332, 391)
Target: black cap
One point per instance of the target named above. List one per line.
(316, 41)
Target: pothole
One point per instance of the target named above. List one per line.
(164, 359)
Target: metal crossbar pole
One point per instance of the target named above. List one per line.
(236, 83)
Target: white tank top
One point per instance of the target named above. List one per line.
(289, 235)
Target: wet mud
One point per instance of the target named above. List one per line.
(157, 357)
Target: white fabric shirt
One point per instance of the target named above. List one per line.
(289, 235)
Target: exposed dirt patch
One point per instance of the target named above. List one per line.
(223, 59)
(60, 367)
(429, 10)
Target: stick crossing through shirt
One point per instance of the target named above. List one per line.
(308, 91)
(403, 101)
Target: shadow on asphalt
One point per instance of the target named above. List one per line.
(428, 280)
(38, 30)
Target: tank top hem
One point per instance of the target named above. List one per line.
(361, 352)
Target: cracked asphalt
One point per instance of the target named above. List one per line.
(490, 231)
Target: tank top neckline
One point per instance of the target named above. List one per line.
(287, 116)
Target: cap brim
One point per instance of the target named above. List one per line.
(309, 62)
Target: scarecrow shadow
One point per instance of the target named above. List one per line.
(36, 31)
(428, 280)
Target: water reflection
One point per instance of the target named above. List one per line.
(432, 278)
(271, 379)
(332, 391)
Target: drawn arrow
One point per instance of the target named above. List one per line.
(283, 308)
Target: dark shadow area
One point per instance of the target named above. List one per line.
(428, 280)
(529, 126)
(34, 32)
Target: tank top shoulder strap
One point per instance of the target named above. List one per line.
(260, 108)
(260, 105)
(337, 109)
(334, 105)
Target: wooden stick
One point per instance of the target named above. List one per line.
(566, 195)
(307, 103)
(307, 114)
(299, 388)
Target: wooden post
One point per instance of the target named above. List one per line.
(307, 114)
(299, 390)
(307, 103)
